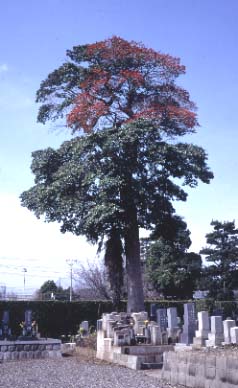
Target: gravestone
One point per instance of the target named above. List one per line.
(139, 321)
(189, 325)
(161, 315)
(110, 328)
(156, 336)
(99, 324)
(234, 335)
(215, 336)
(122, 337)
(173, 329)
(203, 329)
(28, 327)
(227, 325)
(84, 327)
(161, 318)
(172, 318)
(5, 331)
(153, 308)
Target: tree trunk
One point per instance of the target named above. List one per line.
(135, 301)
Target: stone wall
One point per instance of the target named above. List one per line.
(22, 350)
(201, 369)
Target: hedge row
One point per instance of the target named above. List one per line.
(56, 318)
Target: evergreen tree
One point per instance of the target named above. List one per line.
(117, 175)
(221, 253)
(172, 270)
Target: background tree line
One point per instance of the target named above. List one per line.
(169, 270)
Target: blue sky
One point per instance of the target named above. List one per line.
(34, 39)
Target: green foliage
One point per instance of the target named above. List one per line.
(48, 287)
(221, 254)
(85, 184)
(59, 293)
(171, 270)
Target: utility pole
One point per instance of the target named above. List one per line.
(71, 262)
(24, 279)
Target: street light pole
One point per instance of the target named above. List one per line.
(24, 279)
(71, 262)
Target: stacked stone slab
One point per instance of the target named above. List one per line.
(215, 336)
(119, 339)
(189, 326)
(22, 350)
(201, 335)
(201, 369)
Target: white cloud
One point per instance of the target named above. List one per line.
(3, 67)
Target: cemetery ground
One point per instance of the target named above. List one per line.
(79, 371)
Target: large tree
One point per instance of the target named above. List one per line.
(221, 254)
(118, 174)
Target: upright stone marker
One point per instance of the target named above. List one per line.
(227, 325)
(139, 319)
(189, 326)
(4, 329)
(153, 308)
(234, 335)
(28, 317)
(99, 324)
(84, 327)
(203, 329)
(5, 318)
(172, 318)
(161, 316)
(173, 329)
(215, 337)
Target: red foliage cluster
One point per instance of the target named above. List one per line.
(157, 113)
(86, 112)
(126, 81)
(116, 48)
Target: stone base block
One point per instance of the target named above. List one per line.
(24, 350)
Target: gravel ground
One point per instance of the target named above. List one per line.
(72, 373)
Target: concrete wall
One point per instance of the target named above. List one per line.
(201, 369)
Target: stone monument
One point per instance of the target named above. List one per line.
(189, 325)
